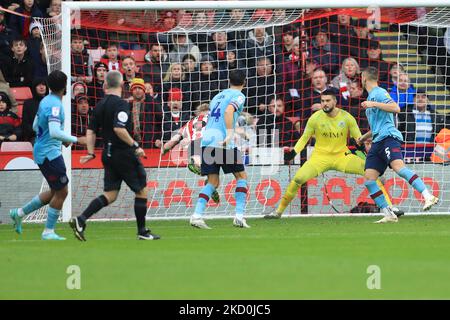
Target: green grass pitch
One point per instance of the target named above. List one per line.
(313, 258)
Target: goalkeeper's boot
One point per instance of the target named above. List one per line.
(430, 202)
(240, 223)
(198, 223)
(389, 216)
(398, 212)
(148, 235)
(78, 228)
(272, 215)
(52, 236)
(14, 215)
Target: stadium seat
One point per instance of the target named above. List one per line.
(21, 94)
(20, 110)
(16, 146)
(138, 55)
(96, 54)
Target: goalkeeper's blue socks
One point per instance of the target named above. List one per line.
(376, 194)
(31, 206)
(241, 197)
(203, 199)
(52, 218)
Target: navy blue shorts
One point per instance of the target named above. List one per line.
(55, 173)
(382, 153)
(230, 160)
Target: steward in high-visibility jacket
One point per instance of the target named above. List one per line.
(441, 153)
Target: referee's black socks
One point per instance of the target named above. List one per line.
(140, 210)
(95, 206)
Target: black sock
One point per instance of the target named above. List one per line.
(95, 206)
(140, 210)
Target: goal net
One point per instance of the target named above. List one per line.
(290, 55)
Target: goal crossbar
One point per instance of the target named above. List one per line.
(283, 4)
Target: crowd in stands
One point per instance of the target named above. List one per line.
(168, 75)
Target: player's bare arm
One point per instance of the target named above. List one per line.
(364, 137)
(391, 107)
(169, 145)
(229, 118)
(90, 143)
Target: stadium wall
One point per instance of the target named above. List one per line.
(176, 197)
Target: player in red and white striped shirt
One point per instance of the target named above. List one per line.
(190, 136)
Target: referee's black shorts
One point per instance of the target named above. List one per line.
(123, 165)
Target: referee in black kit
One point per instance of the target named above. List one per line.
(120, 157)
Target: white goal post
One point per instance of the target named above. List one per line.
(68, 7)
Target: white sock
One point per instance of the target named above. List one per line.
(427, 194)
(196, 216)
(387, 212)
(20, 213)
(47, 231)
(239, 216)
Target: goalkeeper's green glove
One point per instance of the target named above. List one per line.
(288, 156)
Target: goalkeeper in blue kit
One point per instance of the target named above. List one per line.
(386, 146)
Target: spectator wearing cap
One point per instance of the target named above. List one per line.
(182, 45)
(112, 58)
(20, 25)
(95, 91)
(259, 44)
(325, 52)
(80, 118)
(9, 121)
(157, 63)
(418, 122)
(374, 59)
(81, 63)
(78, 88)
(174, 117)
(146, 114)
(403, 92)
(34, 41)
(18, 70)
(30, 107)
(261, 87)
